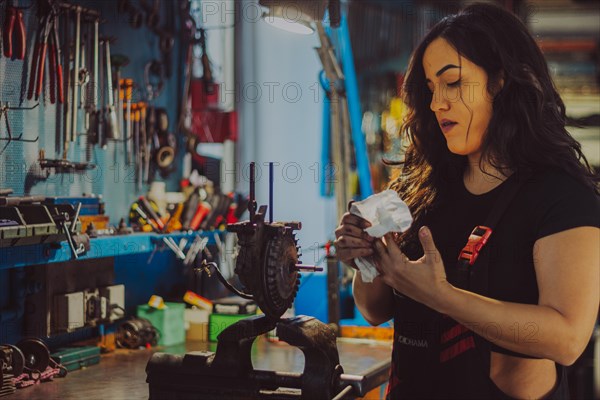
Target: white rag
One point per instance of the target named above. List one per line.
(387, 213)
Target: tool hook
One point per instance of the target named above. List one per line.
(4, 113)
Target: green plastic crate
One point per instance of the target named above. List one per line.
(169, 322)
(219, 322)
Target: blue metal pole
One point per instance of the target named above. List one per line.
(351, 83)
(325, 149)
(271, 181)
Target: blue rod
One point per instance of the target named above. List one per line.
(351, 83)
(271, 179)
(325, 148)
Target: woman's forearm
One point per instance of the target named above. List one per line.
(374, 300)
(538, 331)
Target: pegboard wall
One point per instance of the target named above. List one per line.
(112, 178)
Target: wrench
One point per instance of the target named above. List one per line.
(76, 65)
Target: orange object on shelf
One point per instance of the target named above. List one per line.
(99, 221)
(368, 332)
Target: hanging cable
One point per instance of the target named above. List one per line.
(204, 267)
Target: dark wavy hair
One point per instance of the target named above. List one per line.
(527, 128)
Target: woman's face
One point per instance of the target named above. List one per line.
(460, 100)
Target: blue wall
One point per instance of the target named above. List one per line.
(111, 179)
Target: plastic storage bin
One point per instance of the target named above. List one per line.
(218, 323)
(169, 322)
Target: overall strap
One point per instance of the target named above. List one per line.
(474, 276)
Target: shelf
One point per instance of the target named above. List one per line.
(581, 105)
(567, 45)
(109, 246)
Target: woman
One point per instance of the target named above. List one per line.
(484, 116)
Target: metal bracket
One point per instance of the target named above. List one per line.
(4, 108)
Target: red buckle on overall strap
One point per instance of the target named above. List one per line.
(477, 240)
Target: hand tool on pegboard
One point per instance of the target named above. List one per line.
(188, 35)
(207, 76)
(75, 75)
(167, 38)
(101, 94)
(152, 13)
(95, 62)
(62, 165)
(113, 129)
(48, 30)
(14, 37)
(142, 143)
(119, 61)
(145, 143)
(127, 92)
(83, 77)
(57, 83)
(154, 86)
(56, 68)
(166, 33)
(136, 18)
(67, 83)
(38, 63)
(71, 63)
(91, 100)
(163, 142)
(93, 107)
(136, 146)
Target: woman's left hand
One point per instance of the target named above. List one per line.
(423, 280)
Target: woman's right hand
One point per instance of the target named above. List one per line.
(351, 241)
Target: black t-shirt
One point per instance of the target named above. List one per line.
(549, 202)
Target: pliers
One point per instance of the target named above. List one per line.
(39, 56)
(56, 69)
(14, 16)
(48, 25)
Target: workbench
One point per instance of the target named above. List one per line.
(121, 375)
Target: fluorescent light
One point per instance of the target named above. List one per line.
(294, 26)
(297, 16)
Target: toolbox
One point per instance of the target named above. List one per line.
(89, 205)
(74, 358)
